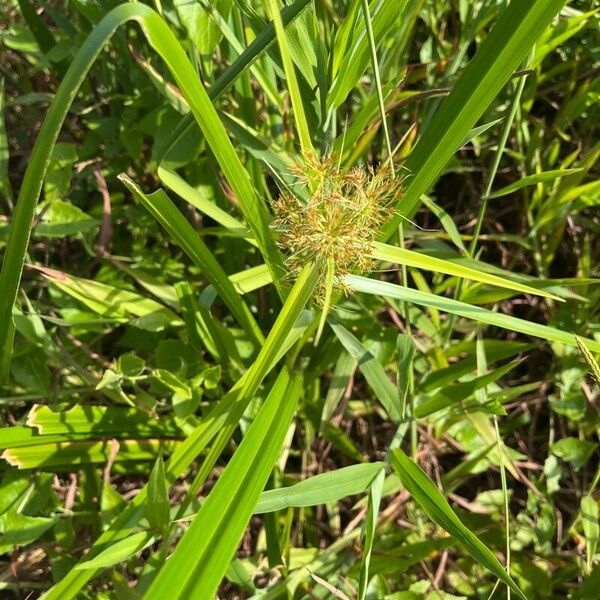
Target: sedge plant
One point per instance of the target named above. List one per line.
(217, 403)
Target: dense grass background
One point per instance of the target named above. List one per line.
(299, 300)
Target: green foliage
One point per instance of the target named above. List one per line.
(299, 299)
(425, 493)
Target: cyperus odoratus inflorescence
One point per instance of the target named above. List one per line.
(335, 229)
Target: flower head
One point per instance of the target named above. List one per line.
(341, 219)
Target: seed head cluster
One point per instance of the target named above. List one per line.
(339, 222)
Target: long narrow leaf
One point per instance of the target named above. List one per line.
(262, 41)
(322, 488)
(166, 44)
(167, 214)
(426, 494)
(282, 335)
(292, 81)
(5, 187)
(507, 45)
(202, 556)
(533, 180)
(411, 258)
(373, 371)
(383, 288)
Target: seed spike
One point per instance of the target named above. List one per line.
(338, 224)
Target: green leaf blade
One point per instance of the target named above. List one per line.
(507, 45)
(382, 288)
(202, 556)
(426, 494)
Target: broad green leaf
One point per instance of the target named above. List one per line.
(591, 527)
(533, 579)
(207, 33)
(202, 556)
(12, 488)
(574, 450)
(119, 552)
(157, 507)
(382, 288)
(322, 488)
(129, 365)
(429, 498)
(62, 219)
(190, 15)
(19, 530)
(111, 503)
(60, 171)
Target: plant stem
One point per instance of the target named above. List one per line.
(505, 496)
(378, 87)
